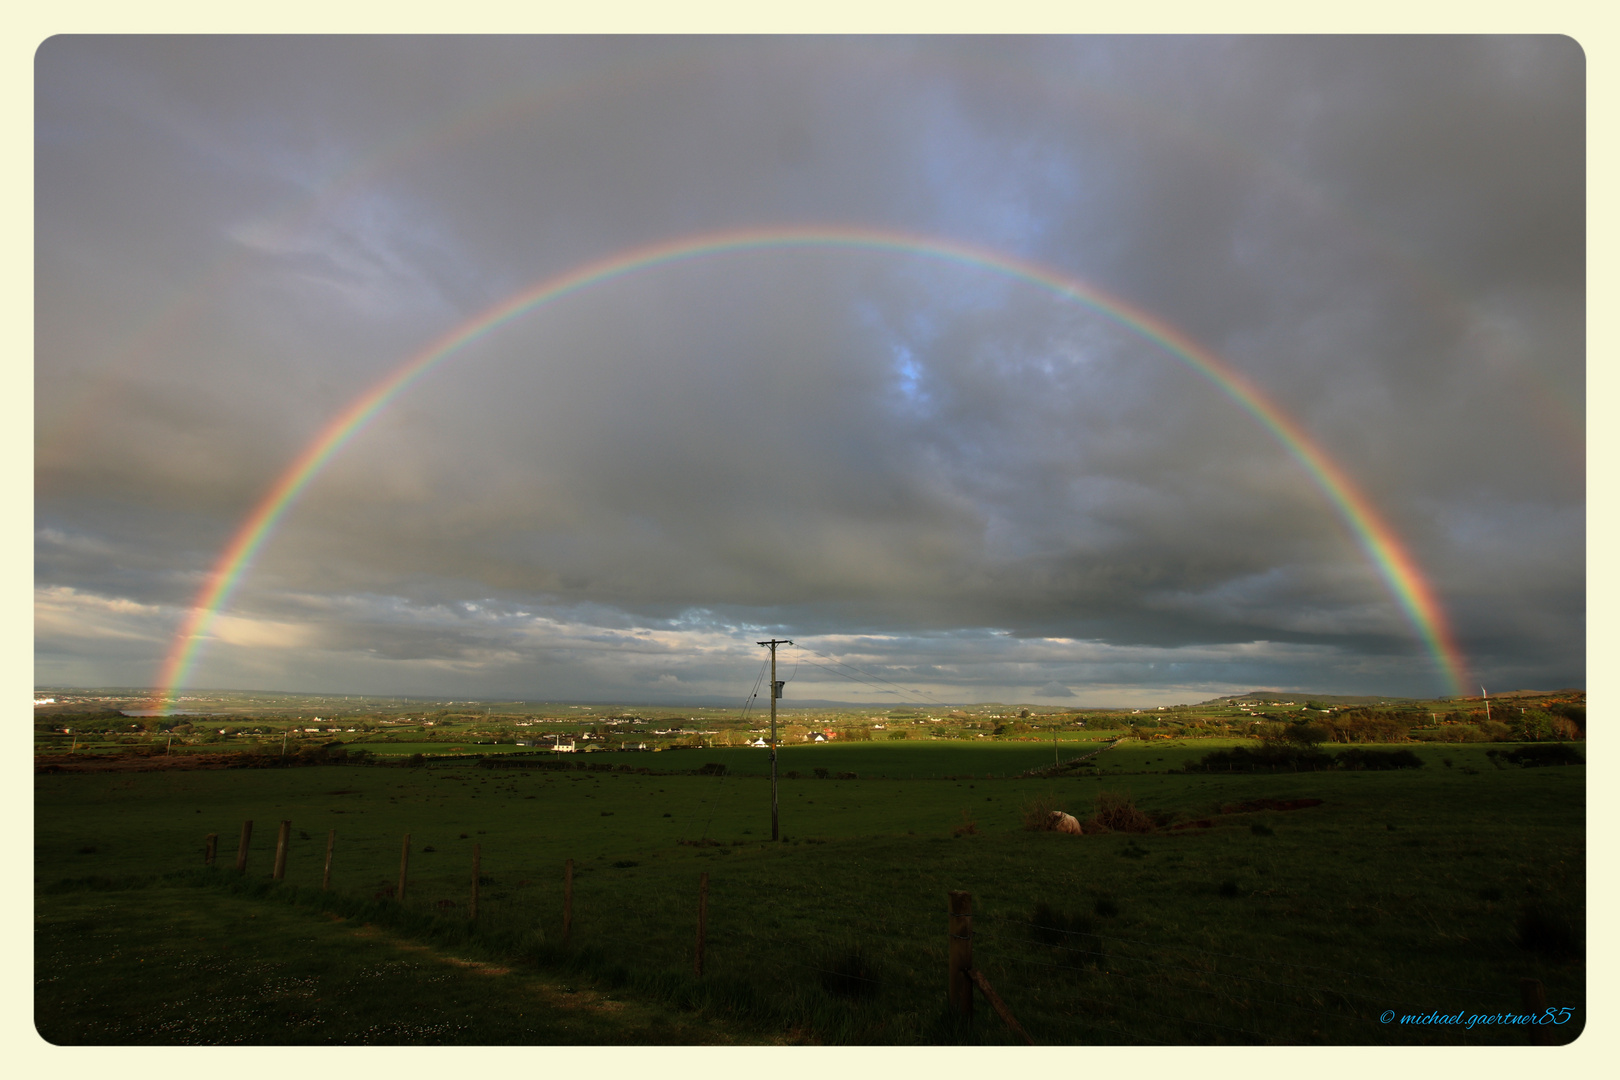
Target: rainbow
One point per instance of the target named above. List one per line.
(1377, 539)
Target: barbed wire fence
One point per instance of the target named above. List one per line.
(1064, 977)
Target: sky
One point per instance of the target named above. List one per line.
(1114, 363)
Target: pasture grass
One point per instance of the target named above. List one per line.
(1413, 890)
(162, 963)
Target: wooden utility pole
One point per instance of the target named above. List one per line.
(776, 692)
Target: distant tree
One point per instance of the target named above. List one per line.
(1534, 725)
(1367, 725)
(1575, 714)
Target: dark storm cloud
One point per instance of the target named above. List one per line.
(235, 237)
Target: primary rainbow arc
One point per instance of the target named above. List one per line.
(1377, 539)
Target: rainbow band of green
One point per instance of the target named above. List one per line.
(1383, 547)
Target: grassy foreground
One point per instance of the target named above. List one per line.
(1416, 891)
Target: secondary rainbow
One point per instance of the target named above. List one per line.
(1377, 539)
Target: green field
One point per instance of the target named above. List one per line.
(1412, 890)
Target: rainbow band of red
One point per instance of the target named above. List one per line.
(1383, 547)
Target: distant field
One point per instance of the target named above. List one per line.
(1294, 926)
(913, 758)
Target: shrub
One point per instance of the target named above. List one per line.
(1038, 813)
(1118, 813)
(821, 774)
(1296, 732)
(1272, 757)
(1458, 733)
(1377, 759)
(969, 827)
(1529, 757)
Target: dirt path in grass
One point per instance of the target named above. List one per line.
(552, 993)
(174, 966)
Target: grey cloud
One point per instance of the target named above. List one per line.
(237, 237)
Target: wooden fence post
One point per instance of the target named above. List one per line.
(568, 897)
(703, 920)
(404, 862)
(210, 845)
(997, 1004)
(961, 953)
(241, 851)
(326, 875)
(282, 837)
(473, 908)
(1533, 997)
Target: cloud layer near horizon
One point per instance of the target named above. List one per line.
(974, 487)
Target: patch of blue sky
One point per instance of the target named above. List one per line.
(909, 377)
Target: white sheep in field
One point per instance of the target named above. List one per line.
(1065, 823)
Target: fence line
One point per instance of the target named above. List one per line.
(1006, 934)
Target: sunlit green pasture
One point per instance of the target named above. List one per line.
(1401, 890)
